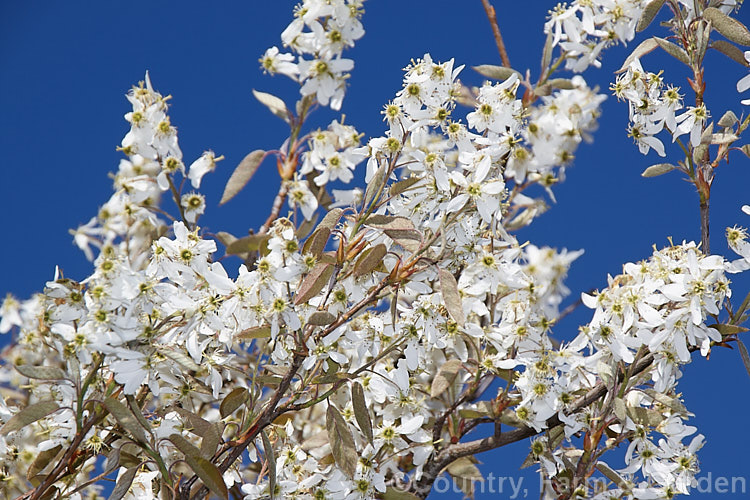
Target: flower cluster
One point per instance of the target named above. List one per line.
(584, 28)
(653, 107)
(347, 357)
(321, 31)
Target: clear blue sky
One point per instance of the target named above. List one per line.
(65, 67)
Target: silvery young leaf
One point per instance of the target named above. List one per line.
(304, 229)
(225, 238)
(249, 243)
(208, 431)
(377, 181)
(612, 475)
(445, 377)
(561, 83)
(126, 419)
(495, 72)
(342, 442)
(401, 186)
(369, 260)
(465, 473)
(179, 357)
(621, 411)
(255, 332)
(270, 462)
(410, 239)
(731, 51)
(242, 175)
(658, 169)
(746, 149)
(273, 103)
(361, 413)
(123, 483)
(673, 50)
(390, 222)
(723, 138)
(744, 355)
(728, 119)
(321, 318)
(205, 470)
(41, 372)
(42, 460)
(316, 243)
(232, 401)
(645, 416)
(392, 493)
(113, 461)
(730, 27)
(641, 50)
(29, 415)
(451, 296)
(137, 412)
(313, 282)
(649, 13)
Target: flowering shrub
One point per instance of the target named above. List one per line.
(352, 353)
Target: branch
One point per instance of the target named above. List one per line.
(490, 10)
(435, 466)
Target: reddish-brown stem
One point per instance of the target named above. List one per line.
(490, 10)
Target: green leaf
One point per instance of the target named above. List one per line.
(729, 27)
(123, 484)
(658, 169)
(273, 103)
(451, 296)
(126, 419)
(247, 244)
(369, 260)
(561, 83)
(242, 175)
(232, 401)
(29, 415)
(42, 460)
(445, 377)
(313, 282)
(270, 462)
(731, 51)
(646, 46)
(673, 50)
(361, 413)
(342, 442)
(744, 355)
(495, 72)
(41, 372)
(205, 470)
(255, 332)
(321, 318)
(649, 13)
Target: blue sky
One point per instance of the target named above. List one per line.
(65, 67)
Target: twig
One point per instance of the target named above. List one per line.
(490, 10)
(276, 209)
